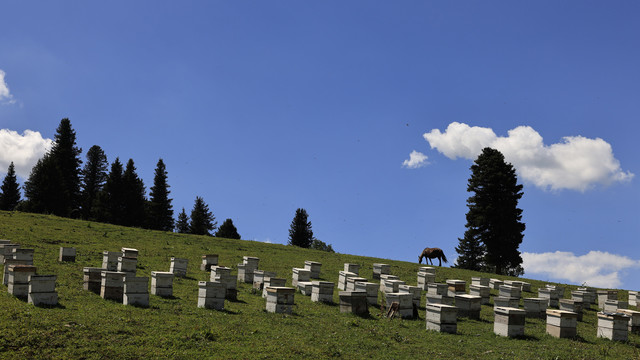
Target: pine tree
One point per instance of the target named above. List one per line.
(134, 197)
(493, 220)
(182, 225)
(227, 230)
(160, 213)
(110, 204)
(10, 190)
(300, 233)
(94, 176)
(54, 183)
(202, 220)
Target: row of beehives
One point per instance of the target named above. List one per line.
(21, 279)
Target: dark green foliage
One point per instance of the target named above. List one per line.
(321, 245)
(493, 220)
(300, 233)
(227, 230)
(54, 184)
(134, 197)
(10, 190)
(160, 210)
(111, 202)
(182, 225)
(202, 220)
(94, 176)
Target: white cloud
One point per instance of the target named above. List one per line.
(596, 268)
(416, 160)
(576, 163)
(24, 150)
(5, 95)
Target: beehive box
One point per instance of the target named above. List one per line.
(6, 251)
(389, 277)
(424, 279)
(371, 289)
(561, 323)
(251, 262)
(613, 326)
(501, 301)
(353, 302)
(571, 305)
(352, 268)
(390, 286)
(526, 287)
(305, 287)
(427, 270)
(18, 280)
(456, 287)
(208, 261)
(259, 276)
(136, 291)
(592, 295)
(42, 290)
(92, 279)
(581, 296)
(633, 298)
(439, 299)
(510, 291)
(211, 295)
(351, 282)
(22, 254)
(342, 279)
(495, 284)
(179, 266)
(559, 290)
(381, 269)
(468, 306)
(438, 289)
(129, 252)
(162, 283)
(272, 281)
(300, 274)
(634, 319)
(480, 281)
(322, 291)
(415, 292)
(314, 267)
(442, 318)
(550, 294)
(484, 292)
(404, 301)
(110, 260)
(112, 285)
(67, 254)
(535, 307)
(604, 295)
(280, 299)
(614, 305)
(127, 264)
(508, 321)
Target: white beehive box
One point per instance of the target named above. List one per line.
(508, 321)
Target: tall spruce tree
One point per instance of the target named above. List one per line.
(54, 183)
(227, 230)
(10, 190)
(182, 225)
(300, 233)
(94, 176)
(202, 220)
(110, 204)
(494, 227)
(160, 210)
(134, 197)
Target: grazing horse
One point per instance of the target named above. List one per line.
(432, 253)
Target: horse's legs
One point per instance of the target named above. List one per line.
(431, 262)
(440, 261)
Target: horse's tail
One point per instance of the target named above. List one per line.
(444, 258)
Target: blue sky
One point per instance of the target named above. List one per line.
(264, 107)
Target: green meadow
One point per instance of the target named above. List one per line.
(84, 326)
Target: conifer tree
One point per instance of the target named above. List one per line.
(202, 220)
(54, 183)
(227, 230)
(182, 225)
(10, 190)
(134, 197)
(110, 205)
(160, 210)
(94, 176)
(494, 224)
(300, 233)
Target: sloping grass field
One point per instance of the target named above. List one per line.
(84, 326)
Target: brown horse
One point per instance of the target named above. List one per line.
(432, 253)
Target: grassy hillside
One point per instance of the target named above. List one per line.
(86, 326)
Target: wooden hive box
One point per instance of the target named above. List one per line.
(300, 274)
(438, 289)
(415, 292)
(571, 305)
(352, 281)
(280, 299)
(371, 289)
(634, 319)
(536, 307)
(442, 318)
(510, 291)
(208, 261)
(501, 301)
(7, 264)
(179, 266)
(561, 323)
(92, 279)
(495, 284)
(604, 295)
(211, 295)
(613, 326)
(353, 302)
(162, 283)
(404, 301)
(468, 306)
(42, 290)
(508, 321)
(439, 299)
(352, 268)
(480, 281)
(314, 267)
(390, 286)
(381, 269)
(127, 264)
(110, 260)
(67, 254)
(22, 254)
(614, 305)
(483, 291)
(456, 287)
(272, 281)
(129, 252)
(258, 278)
(550, 294)
(112, 285)
(322, 291)
(342, 279)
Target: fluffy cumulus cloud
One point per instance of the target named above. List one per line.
(576, 163)
(23, 149)
(596, 268)
(416, 160)
(5, 95)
